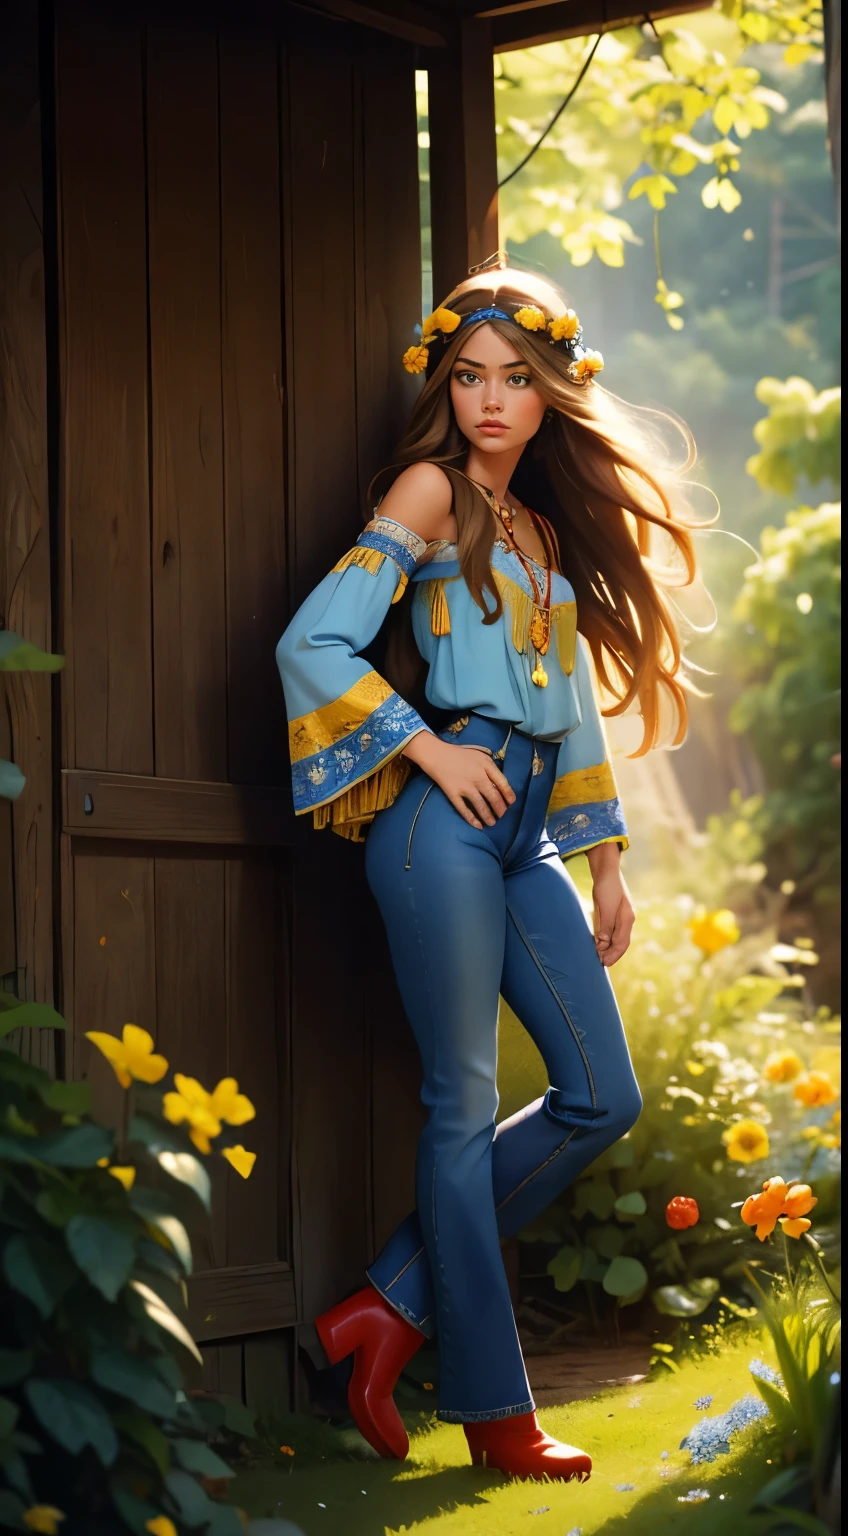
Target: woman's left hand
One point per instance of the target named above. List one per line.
(614, 914)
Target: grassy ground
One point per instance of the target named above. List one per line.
(334, 1486)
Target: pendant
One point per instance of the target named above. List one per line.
(538, 764)
(539, 676)
(540, 630)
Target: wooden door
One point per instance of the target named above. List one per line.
(238, 270)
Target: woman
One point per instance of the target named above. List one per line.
(473, 800)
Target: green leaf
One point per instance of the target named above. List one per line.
(57, 1205)
(136, 1426)
(187, 1169)
(8, 1000)
(20, 1015)
(77, 1146)
(17, 655)
(135, 1512)
(103, 1252)
(70, 1098)
(16, 1473)
(15, 1364)
(73, 1416)
(624, 1277)
(600, 1198)
(607, 1240)
(9, 1412)
(189, 1498)
(633, 1204)
(11, 1508)
(38, 1269)
(12, 780)
(225, 1521)
(135, 1378)
(684, 1301)
(238, 1419)
(565, 1267)
(623, 1153)
(158, 1313)
(197, 1457)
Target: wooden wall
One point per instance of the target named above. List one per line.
(238, 271)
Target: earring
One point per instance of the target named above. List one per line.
(549, 413)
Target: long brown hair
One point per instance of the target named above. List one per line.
(597, 474)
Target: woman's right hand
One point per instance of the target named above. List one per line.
(468, 776)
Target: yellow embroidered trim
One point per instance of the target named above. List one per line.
(616, 838)
(585, 786)
(433, 592)
(352, 811)
(323, 727)
(519, 604)
(371, 560)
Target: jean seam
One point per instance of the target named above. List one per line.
(537, 960)
(536, 1171)
(484, 1416)
(408, 863)
(402, 1272)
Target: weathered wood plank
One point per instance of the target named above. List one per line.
(254, 490)
(269, 1373)
(26, 829)
(178, 810)
(240, 1299)
(463, 156)
(114, 961)
(190, 689)
(530, 25)
(104, 508)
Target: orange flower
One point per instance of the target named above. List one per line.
(799, 1201)
(762, 1211)
(286, 1450)
(795, 1226)
(415, 359)
(782, 1067)
(682, 1212)
(814, 1089)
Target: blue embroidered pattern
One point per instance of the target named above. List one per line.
(581, 826)
(386, 546)
(325, 774)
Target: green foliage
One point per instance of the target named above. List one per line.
(801, 437)
(95, 1419)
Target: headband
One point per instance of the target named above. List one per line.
(564, 330)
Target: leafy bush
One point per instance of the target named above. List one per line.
(800, 438)
(97, 1429)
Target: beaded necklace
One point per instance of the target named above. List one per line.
(540, 623)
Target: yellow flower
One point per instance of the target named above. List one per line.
(45, 1518)
(782, 1066)
(530, 318)
(441, 320)
(415, 359)
(590, 363)
(795, 1226)
(695, 1067)
(125, 1175)
(712, 931)
(564, 327)
(241, 1160)
(161, 1526)
(814, 1089)
(746, 1141)
(204, 1111)
(131, 1056)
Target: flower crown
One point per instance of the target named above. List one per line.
(564, 328)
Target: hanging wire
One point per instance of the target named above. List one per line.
(557, 115)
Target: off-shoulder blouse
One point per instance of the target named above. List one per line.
(348, 727)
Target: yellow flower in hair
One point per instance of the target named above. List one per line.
(441, 320)
(565, 327)
(588, 365)
(531, 318)
(415, 359)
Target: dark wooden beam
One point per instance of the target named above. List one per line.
(246, 1299)
(401, 18)
(140, 807)
(463, 155)
(529, 25)
(26, 898)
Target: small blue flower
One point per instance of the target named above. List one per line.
(624, 1487)
(703, 1402)
(694, 1496)
(763, 1372)
(711, 1436)
(664, 1455)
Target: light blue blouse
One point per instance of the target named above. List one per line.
(347, 726)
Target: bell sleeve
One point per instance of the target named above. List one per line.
(584, 808)
(347, 726)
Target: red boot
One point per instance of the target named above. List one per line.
(382, 1342)
(518, 1447)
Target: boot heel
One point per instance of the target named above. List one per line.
(339, 1330)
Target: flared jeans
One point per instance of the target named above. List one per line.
(472, 914)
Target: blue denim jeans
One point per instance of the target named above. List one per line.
(471, 914)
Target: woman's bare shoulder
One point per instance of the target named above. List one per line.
(421, 499)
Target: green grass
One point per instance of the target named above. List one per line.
(437, 1493)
